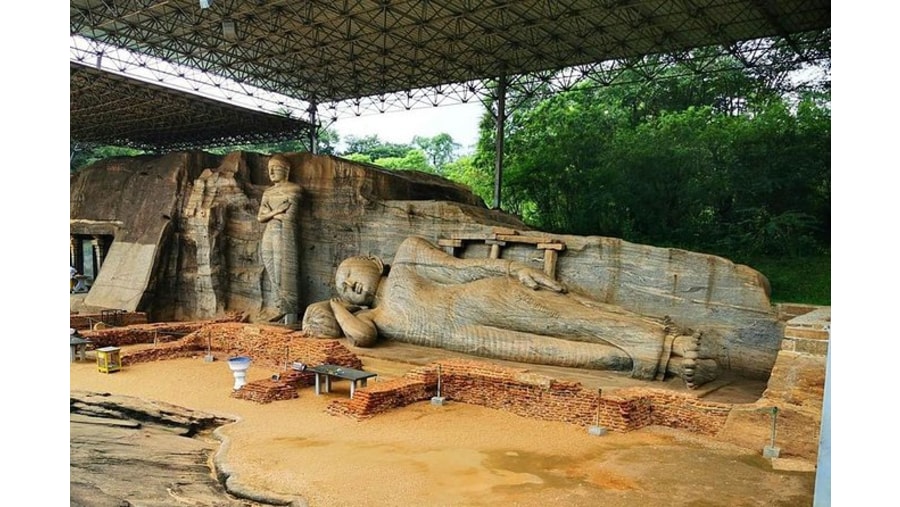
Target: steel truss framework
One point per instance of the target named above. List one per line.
(111, 109)
(339, 58)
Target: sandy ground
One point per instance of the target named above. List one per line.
(451, 455)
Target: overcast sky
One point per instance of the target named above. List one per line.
(458, 120)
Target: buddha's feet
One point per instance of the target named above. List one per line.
(687, 363)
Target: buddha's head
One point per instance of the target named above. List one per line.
(279, 168)
(357, 279)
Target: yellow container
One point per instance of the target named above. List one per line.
(109, 359)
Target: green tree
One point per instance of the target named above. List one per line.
(722, 162)
(440, 149)
(81, 156)
(374, 147)
(463, 170)
(359, 157)
(327, 141)
(554, 176)
(413, 159)
(780, 178)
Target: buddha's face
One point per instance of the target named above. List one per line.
(357, 281)
(277, 171)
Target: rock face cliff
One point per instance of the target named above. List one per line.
(186, 245)
(187, 239)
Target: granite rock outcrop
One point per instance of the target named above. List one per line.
(187, 245)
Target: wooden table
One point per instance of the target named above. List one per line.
(326, 372)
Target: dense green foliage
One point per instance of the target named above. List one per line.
(327, 139)
(731, 163)
(675, 163)
(795, 279)
(441, 150)
(374, 148)
(426, 154)
(82, 156)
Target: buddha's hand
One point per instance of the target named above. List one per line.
(340, 302)
(281, 210)
(535, 279)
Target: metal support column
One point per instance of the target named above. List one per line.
(313, 131)
(500, 122)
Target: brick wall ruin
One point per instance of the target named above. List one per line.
(515, 390)
(282, 386)
(268, 345)
(528, 394)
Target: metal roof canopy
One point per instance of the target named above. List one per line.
(334, 50)
(111, 109)
(353, 56)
